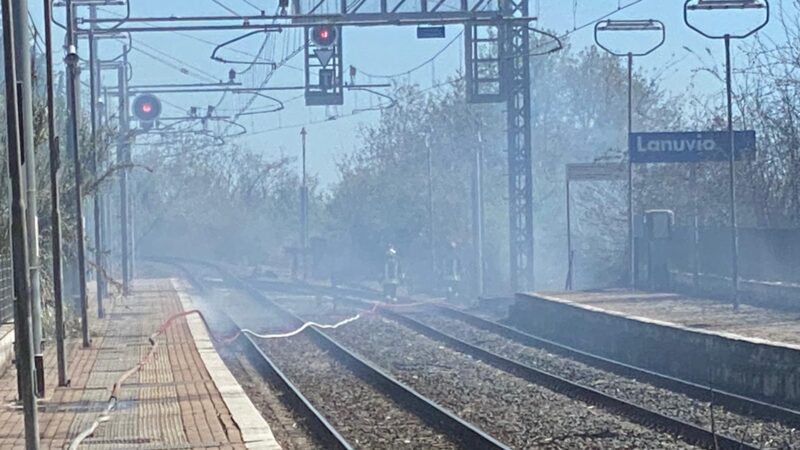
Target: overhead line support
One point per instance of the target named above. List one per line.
(23, 339)
(513, 62)
(515, 74)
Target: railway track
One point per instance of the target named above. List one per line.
(647, 398)
(761, 424)
(512, 352)
(523, 414)
(348, 402)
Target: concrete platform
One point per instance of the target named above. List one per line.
(702, 341)
(778, 327)
(185, 397)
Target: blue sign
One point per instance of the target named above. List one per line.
(693, 146)
(424, 32)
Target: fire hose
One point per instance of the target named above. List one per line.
(114, 396)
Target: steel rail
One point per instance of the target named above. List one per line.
(319, 425)
(430, 412)
(636, 413)
(734, 402)
(737, 403)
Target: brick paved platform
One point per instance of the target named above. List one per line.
(174, 402)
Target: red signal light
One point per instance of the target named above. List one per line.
(146, 107)
(323, 35)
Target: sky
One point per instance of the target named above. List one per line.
(374, 52)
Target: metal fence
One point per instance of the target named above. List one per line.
(765, 254)
(6, 290)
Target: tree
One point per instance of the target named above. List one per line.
(216, 202)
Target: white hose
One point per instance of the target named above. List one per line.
(300, 330)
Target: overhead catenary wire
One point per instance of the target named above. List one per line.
(183, 34)
(590, 23)
(420, 65)
(266, 80)
(226, 8)
(183, 70)
(37, 38)
(178, 61)
(256, 7)
(558, 40)
(348, 115)
(258, 54)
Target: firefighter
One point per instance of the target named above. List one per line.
(453, 272)
(391, 274)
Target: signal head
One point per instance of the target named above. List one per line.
(323, 35)
(147, 107)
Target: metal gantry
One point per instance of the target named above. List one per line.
(516, 83)
(507, 72)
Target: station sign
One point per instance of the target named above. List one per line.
(692, 146)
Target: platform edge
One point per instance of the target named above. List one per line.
(256, 432)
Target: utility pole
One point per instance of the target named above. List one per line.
(477, 215)
(19, 240)
(73, 82)
(55, 202)
(94, 75)
(431, 234)
(23, 72)
(630, 26)
(304, 209)
(123, 158)
(743, 5)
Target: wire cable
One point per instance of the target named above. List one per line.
(177, 60)
(257, 8)
(620, 8)
(226, 8)
(183, 34)
(167, 63)
(420, 65)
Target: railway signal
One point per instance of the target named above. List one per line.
(324, 68)
(324, 35)
(147, 108)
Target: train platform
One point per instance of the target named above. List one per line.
(751, 351)
(752, 322)
(182, 397)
